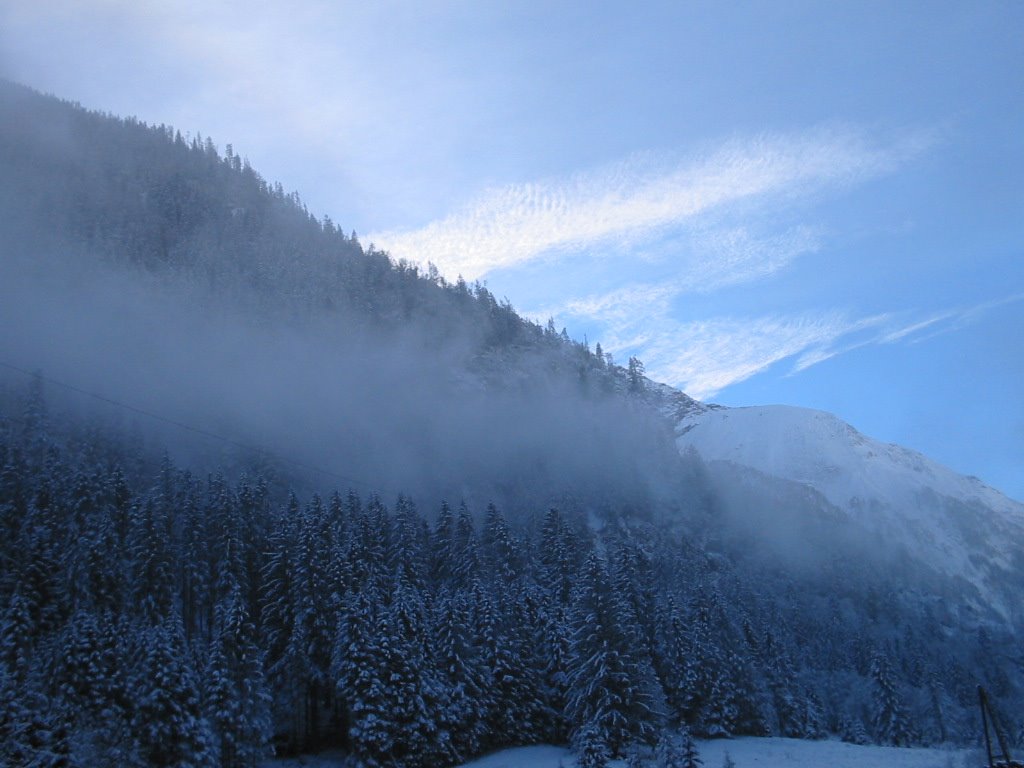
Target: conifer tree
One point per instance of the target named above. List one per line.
(30, 734)
(237, 701)
(442, 546)
(466, 556)
(358, 667)
(591, 747)
(152, 561)
(167, 721)
(459, 674)
(890, 719)
(497, 547)
(673, 753)
(608, 681)
(690, 756)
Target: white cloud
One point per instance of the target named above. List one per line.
(731, 256)
(628, 201)
(918, 325)
(954, 320)
(704, 357)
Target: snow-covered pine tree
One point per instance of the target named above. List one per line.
(690, 755)
(311, 641)
(359, 669)
(669, 657)
(677, 753)
(442, 546)
(459, 674)
(236, 701)
(524, 624)
(852, 731)
(167, 721)
(466, 555)
(498, 551)
(82, 670)
(408, 552)
(38, 559)
(558, 557)
(414, 691)
(608, 679)
(17, 637)
(591, 747)
(891, 723)
(31, 735)
(152, 560)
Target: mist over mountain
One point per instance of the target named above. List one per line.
(158, 273)
(337, 500)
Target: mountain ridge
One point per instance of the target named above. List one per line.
(955, 524)
(172, 278)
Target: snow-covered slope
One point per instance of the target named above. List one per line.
(765, 753)
(745, 752)
(956, 525)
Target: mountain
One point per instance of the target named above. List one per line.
(272, 487)
(898, 500)
(161, 273)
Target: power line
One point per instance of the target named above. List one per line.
(184, 426)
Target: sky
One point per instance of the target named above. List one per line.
(815, 204)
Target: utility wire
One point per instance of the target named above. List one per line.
(183, 426)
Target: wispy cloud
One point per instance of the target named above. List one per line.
(722, 257)
(705, 357)
(894, 329)
(953, 320)
(628, 201)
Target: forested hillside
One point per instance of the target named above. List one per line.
(155, 617)
(161, 273)
(324, 499)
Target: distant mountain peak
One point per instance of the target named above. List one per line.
(950, 523)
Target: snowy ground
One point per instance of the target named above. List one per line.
(791, 753)
(745, 753)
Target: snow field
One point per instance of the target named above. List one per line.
(745, 752)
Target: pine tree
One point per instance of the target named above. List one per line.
(497, 548)
(609, 680)
(673, 752)
(557, 557)
(556, 654)
(236, 698)
(408, 545)
(690, 756)
(391, 698)
(414, 690)
(83, 669)
(852, 731)
(635, 373)
(442, 546)
(167, 722)
(30, 734)
(890, 721)
(152, 564)
(591, 747)
(459, 674)
(466, 557)
(358, 666)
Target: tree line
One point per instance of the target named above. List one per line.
(153, 617)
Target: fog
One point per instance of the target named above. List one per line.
(381, 411)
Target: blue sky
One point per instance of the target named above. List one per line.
(818, 204)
